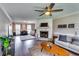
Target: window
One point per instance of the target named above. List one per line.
(71, 26)
(10, 29)
(17, 29)
(28, 29)
(62, 26)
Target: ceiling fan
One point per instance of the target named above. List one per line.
(48, 10)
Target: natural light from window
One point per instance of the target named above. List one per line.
(29, 29)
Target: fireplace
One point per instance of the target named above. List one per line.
(44, 34)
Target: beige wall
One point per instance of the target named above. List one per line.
(66, 20)
(13, 27)
(23, 27)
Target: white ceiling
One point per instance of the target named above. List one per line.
(26, 10)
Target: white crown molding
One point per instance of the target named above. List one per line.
(5, 12)
(70, 14)
(24, 21)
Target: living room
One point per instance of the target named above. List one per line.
(37, 33)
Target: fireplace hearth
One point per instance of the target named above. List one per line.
(44, 34)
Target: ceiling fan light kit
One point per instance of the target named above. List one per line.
(47, 13)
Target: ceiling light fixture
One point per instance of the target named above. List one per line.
(47, 13)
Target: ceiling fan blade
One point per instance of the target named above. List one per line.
(42, 14)
(57, 10)
(40, 10)
(46, 7)
(51, 5)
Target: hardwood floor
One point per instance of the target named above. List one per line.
(0, 50)
(54, 49)
(22, 47)
(31, 47)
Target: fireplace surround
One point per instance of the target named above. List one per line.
(47, 31)
(44, 34)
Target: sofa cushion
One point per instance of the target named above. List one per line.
(69, 39)
(63, 38)
(75, 41)
(74, 47)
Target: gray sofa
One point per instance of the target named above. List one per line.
(68, 42)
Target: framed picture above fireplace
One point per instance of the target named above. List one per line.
(43, 24)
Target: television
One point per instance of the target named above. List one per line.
(44, 25)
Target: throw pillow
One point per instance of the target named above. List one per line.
(63, 38)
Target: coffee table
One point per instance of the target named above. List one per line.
(54, 49)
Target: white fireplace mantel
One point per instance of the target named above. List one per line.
(49, 28)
